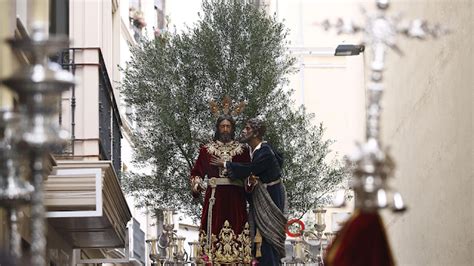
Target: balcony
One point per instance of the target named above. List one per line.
(107, 117)
(86, 204)
(83, 196)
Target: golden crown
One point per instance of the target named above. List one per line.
(226, 107)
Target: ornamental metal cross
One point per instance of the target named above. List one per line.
(372, 163)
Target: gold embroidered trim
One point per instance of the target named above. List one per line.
(225, 151)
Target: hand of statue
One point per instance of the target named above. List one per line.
(196, 184)
(216, 161)
(252, 180)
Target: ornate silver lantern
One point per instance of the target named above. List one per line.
(39, 87)
(15, 191)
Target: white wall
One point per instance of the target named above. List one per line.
(330, 87)
(428, 123)
(182, 13)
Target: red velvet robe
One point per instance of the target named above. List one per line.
(230, 201)
(361, 242)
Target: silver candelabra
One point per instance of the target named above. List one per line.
(169, 242)
(317, 232)
(302, 251)
(36, 133)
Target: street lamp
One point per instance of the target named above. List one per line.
(349, 49)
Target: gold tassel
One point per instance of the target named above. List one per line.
(258, 244)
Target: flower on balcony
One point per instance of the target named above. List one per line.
(136, 18)
(157, 32)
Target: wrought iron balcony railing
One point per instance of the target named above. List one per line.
(110, 122)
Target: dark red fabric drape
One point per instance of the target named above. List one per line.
(361, 242)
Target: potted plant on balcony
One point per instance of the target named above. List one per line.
(136, 18)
